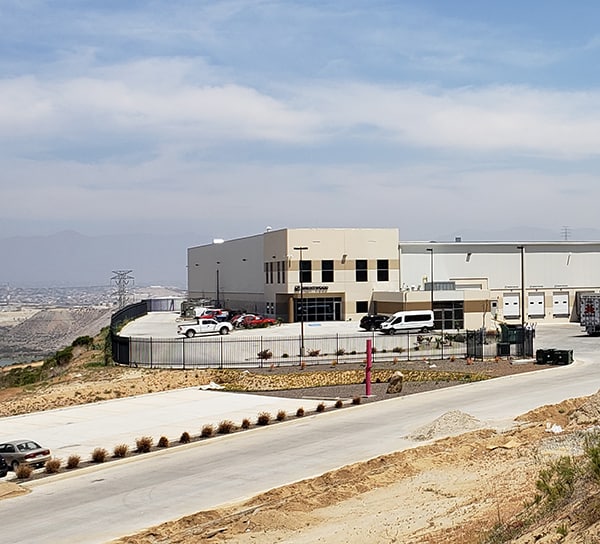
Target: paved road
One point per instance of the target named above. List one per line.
(133, 495)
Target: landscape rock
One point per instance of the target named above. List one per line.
(395, 383)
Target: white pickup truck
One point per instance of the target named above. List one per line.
(205, 326)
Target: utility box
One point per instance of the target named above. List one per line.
(503, 349)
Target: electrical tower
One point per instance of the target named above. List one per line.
(123, 282)
(566, 233)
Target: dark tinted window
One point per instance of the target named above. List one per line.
(383, 272)
(327, 271)
(361, 270)
(418, 317)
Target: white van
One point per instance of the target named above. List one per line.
(421, 320)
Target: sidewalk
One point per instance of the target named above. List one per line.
(80, 429)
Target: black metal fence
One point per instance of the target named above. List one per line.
(234, 351)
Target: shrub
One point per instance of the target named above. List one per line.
(557, 482)
(184, 438)
(314, 352)
(339, 403)
(246, 423)
(356, 400)
(73, 461)
(225, 427)
(207, 430)
(121, 450)
(281, 415)
(321, 407)
(64, 356)
(23, 471)
(285, 355)
(340, 351)
(163, 442)
(264, 418)
(99, 455)
(86, 341)
(143, 444)
(52, 465)
(300, 412)
(265, 354)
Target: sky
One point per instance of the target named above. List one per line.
(222, 118)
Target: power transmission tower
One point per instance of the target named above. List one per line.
(123, 281)
(566, 233)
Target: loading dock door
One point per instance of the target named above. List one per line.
(536, 305)
(511, 306)
(560, 305)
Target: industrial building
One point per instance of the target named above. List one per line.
(343, 273)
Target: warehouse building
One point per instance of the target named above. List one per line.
(341, 274)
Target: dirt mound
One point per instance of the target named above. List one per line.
(450, 423)
(589, 413)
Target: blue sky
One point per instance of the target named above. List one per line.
(440, 118)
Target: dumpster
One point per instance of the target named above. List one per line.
(545, 356)
(563, 356)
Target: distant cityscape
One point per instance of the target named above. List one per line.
(106, 296)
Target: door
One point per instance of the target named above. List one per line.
(560, 305)
(511, 307)
(536, 305)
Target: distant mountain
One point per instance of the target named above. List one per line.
(72, 259)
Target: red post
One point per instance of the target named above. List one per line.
(368, 368)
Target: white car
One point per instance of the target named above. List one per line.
(205, 326)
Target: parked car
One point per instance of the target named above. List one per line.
(252, 321)
(205, 326)
(3, 467)
(370, 322)
(26, 452)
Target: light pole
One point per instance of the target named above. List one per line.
(218, 286)
(301, 249)
(430, 249)
(522, 249)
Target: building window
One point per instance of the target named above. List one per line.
(278, 271)
(361, 270)
(362, 306)
(282, 271)
(327, 271)
(266, 272)
(305, 271)
(270, 272)
(383, 270)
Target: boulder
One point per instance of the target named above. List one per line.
(395, 383)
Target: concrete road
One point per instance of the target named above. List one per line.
(126, 497)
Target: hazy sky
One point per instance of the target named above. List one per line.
(223, 117)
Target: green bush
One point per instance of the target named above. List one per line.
(86, 341)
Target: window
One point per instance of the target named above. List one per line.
(362, 306)
(383, 270)
(361, 270)
(271, 272)
(305, 271)
(282, 271)
(266, 272)
(327, 271)
(278, 271)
